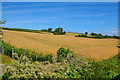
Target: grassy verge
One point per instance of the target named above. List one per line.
(5, 59)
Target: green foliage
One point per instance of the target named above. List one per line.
(94, 34)
(5, 77)
(49, 57)
(67, 65)
(59, 31)
(62, 53)
(97, 36)
(25, 68)
(49, 29)
(45, 30)
(100, 34)
(107, 68)
(86, 33)
(8, 51)
(81, 35)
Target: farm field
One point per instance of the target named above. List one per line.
(47, 43)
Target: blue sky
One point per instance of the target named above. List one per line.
(72, 16)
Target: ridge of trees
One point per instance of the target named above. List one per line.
(97, 36)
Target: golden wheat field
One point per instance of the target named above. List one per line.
(46, 43)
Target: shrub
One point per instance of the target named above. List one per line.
(83, 35)
(98, 37)
(76, 35)
(64, 32)
(79, 35)
(49, 57)
(62, 53)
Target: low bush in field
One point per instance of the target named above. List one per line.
(82, 35)
(62, 53)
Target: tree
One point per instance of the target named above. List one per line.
(100, 34)
(49, 29)
(64, 32)
(114, 36)
(59, 31)
(94, 34)
(86, 33)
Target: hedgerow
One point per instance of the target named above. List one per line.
(20, 51)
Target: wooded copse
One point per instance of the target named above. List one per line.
(97, 36)
(57, 31)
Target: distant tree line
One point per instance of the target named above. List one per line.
(97, 36)
(57, 31)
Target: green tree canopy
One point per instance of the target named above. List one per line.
(94, 34)
(49, 29)
(86, 33)
(59, 31)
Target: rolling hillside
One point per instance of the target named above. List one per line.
(48, 43)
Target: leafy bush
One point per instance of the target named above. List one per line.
(76, 35)
(107, 68)
(25, 68)
(83, 35)
(62, 53)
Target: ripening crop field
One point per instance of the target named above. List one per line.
(47, 43)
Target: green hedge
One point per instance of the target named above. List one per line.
(8, 51)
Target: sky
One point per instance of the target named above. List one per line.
(99, 17)
(60, 0)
